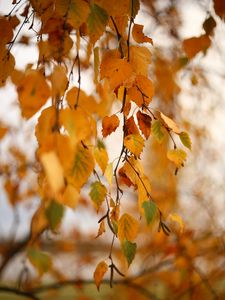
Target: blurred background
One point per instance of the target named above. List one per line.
(189, 79)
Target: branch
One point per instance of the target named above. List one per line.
(11, 290)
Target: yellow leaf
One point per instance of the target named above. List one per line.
(101, 157)
(170, 124)
(134, 143)
(127, 228)
(142, 91)
(45, 124)
(140, 58)
(101, 228)
(138, 35)
(70, 196)
(144, 188)
(59, 81)
(96, 22)
(81, 167)
(177, 156)
(99, 272)
(87, 103)
(77, 123)
(109, 124)
(109, 174)
(39, 221)
(176, 218)
(53, 170)
(33, 92)
(76, 11)
(116, 70)
(6, 32)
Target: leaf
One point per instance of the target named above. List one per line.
(157, 131)
(54, 214)
(99, 272)
(144, 123)
(142, 91)
(45, 124)
(144, 188)
(59, 81)
(76, 11)
(70, 196)
(170, 124)
(138, 35)
(140, 58)
(129, 251)
(109, 174)
(77, 123)
(97, 193)
(109, 124)
(134, 143)
(219, 6)
(96, 64)
(7, 62)
(101, 157)
(41, 261)
(82, 166)
(194, 45)
(53, 170)
(97, 21)
(101, 228)
(176, 218)
(150, 210)
(3, 131)
(6, 32)
(177, 156)
(116, 70)
(185, 139)
(127, 228)
(33, 92)
(209, 25)
(39, 221)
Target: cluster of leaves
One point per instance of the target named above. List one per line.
(73, 35)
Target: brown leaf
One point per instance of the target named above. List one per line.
(144, 123)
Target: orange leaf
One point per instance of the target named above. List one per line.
(127, 228)
(142, 91)
(138, 35)
(99, 272)
(33, 92)
(194, 45)
(7, 65)
(109, 124)
(116, 70)
(144, 123)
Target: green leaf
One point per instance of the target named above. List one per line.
(97, 21)
(41, 261)
(129, 250)
(157, 131)
(97, 193)
(54, 214)
(185, 139)
(150, 210)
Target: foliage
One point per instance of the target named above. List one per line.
(73, 164)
